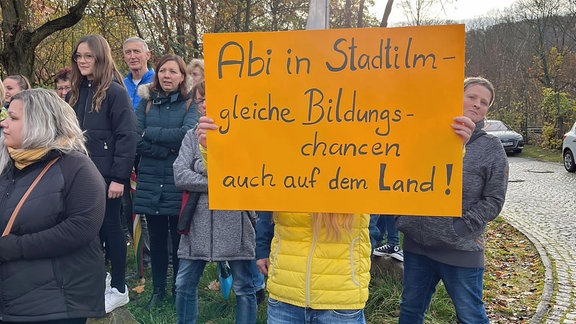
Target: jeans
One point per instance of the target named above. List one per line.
(189, 275)
(283, 313)
(422, 274)
(257, 276)
(380, 225)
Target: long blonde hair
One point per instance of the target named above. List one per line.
(334, 224)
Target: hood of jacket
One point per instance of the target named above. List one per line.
(145, 93)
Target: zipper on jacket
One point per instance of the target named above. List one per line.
(5, 195)
(86, 105)
(309, 266)
(105, 145)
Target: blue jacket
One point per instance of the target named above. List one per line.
(133, 88)
(160, 131)
(264, 234)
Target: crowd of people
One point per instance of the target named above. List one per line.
(66, 160)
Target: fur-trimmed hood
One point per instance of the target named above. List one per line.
(144, 90)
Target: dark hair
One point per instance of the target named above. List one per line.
(21, 80)
(155, 86)
(63, 74)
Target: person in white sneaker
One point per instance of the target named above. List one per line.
(385, 224)
(105, 113)
(51, 260)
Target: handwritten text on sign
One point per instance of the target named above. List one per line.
(348, 120)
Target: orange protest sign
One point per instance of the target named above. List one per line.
(347, 120)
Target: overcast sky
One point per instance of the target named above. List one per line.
(462, 9)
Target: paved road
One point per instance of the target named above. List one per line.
(541, 202)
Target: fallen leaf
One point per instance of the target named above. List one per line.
(139, 289)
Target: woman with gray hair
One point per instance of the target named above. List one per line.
(51, 260)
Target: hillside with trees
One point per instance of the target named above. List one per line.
(528, 51)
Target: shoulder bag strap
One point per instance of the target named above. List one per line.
(23, 199)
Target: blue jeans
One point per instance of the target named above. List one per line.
(189, 274)
(422, 274)
(380, 225)
(283, 313)
(257, 276)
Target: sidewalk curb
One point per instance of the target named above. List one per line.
(548, 290)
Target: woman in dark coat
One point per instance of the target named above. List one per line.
(163, 117)
(51, 261)
(104, 111)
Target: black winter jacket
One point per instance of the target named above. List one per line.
(52, 265)
(161, 131)
(111, 132)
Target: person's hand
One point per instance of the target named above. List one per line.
(115, 190)
(263, 265)
(463, 127)
(205, 124)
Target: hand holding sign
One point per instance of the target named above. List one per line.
(354, 120)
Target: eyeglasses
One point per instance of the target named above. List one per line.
(199, 100)
(64, 88)
(86, 57)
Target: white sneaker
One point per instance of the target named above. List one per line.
(114, 299)
(108, 280)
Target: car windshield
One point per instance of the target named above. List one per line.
(495, 126)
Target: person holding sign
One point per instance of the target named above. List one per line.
(214, 235)
(321, 270)
(452, 249)
(333, 288)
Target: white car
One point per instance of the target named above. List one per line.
(569, 149)
(511, 140)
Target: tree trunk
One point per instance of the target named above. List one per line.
(387, 11)
(19, 43)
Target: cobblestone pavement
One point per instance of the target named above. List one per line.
(541, 202)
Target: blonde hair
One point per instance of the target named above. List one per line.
(468, 82)
(195, 63)
(49, 122)
(334, 224)
(2, 92)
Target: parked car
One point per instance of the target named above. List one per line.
(569, 148)
(511, 141)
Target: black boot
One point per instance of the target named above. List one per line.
(158, 297)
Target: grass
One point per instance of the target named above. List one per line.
(513, 283)
(542, 154)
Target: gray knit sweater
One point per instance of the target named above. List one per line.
(460, 241)
(215, 235)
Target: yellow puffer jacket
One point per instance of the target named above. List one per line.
(308, 271)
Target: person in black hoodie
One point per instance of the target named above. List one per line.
(51, 261)
(104, 111)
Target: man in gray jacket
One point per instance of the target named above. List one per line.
(451, 249)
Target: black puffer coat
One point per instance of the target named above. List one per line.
(111, 132)
(52, 265)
